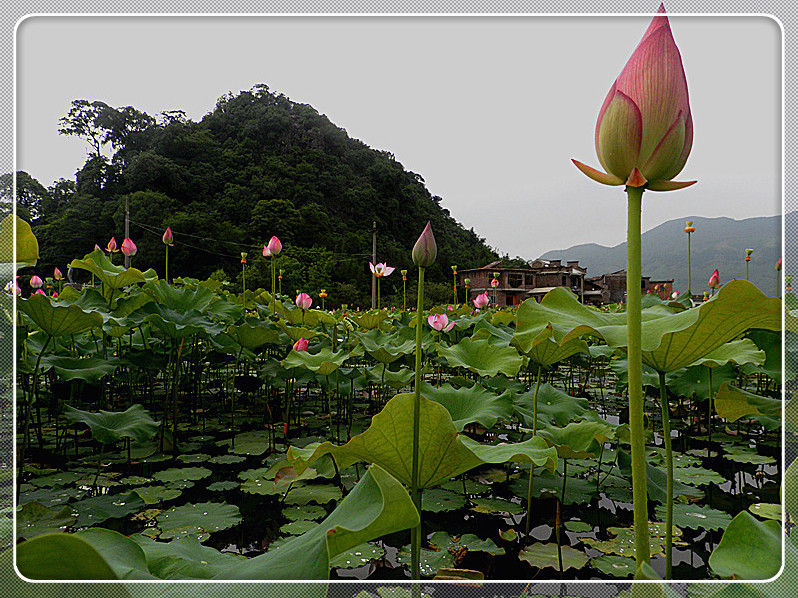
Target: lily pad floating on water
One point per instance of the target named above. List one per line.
(34, 519)
(358, 556)
(62, 478)
(92, 511)
(227, 459)
(307, 512)
(616, 566)
(208, 517)
(444, 548)
(302, 494)
(544, 555)
(696, 517)
(748, 455)
(299, 527)
(766, 510)
(437, 500)
(622, 544)
(194, 458)
(152, 495)
(185, 473)
(247, 443)
(496, 506)
(222, 486)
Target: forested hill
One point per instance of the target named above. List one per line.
(257, 165)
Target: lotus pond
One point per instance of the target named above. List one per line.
(171, 431)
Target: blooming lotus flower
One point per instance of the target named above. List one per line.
(112, 246)
(425, 250)
(303, 300)
(57, 274)
(381, 269)
(129, 248)
(301, 344)
(482, 300)
(273, 248)
(645, 129)
(36, 282)
(714, 280)
(168, 238)
(494, 283)
(440, 322)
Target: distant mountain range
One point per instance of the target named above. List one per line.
(716, 243)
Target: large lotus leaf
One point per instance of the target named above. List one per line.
(111, 275)
(656, 481)
(27, 247)
(252, 336)
(379, 374)
(34, 519)
(179, 324)
(376, 506)
(578, 440)
(499, 335)
(482, 358)
(771, 343)
(695, 380)
(108, 427)
(324, 362)
(208, 517)
(621, 369)
(61, 557)
(748, 549)
(470, 405)
(90, 369)
(95, 510)
(696, 517)
(297, 332)
(181, 298)
(547, 352)
(733, 403)
(443, 453)
(443, 549)
(369, 319)
(742, 351)
(121, 553)
(56, 320)
(546, 555)
(386, 348)
(670, 341)
(555, 407)
(174, 474)
(184, 558)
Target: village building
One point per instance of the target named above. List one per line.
(516, 285)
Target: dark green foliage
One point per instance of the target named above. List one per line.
(258, 165)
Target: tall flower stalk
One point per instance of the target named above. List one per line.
(748, 253)
(689, 229)
(273, 249)
(643, 136)
(424, 253)
(168, 240)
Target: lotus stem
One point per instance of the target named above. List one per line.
(666, 432)
(273, 286)
(689, 268)
(415, 490)
(532, 465)
(634, 350)
(166, 265)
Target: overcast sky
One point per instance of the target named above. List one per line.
(488, 110)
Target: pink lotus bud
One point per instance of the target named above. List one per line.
(303, 300)
(273, 248)
(440, 322)
(55, 295)
(36, 282)
(129, 247)
(112, 246)
(168, 238)
(57, 274)
(425, 250)
(301, 344)
(645, 129)
(98, 248)
(778, 265)
(714, 280)
(494, 283)
(40, 292)
(481, 301)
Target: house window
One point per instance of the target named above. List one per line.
(515, 280)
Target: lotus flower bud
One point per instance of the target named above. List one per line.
(714, 280)
(273, 248)
(425, 250)
(303, 300)
(440, 322)
(301, 344)
(129, 248)
(40, 292)
(481, 301)
(36, 282)
(778, 265)
(168, 238)
(111, 248)
(57, 274)
(645, 129)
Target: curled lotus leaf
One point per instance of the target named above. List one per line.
(56, 320)
(482, 358)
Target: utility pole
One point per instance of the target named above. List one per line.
(373, 261)
(127, 227)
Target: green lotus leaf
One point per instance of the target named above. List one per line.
(748, 549)
(771, 343)
(51, 498)
(742, 351)
(91, 369)
(766, 510)
(745, 454)
(297, 332)
(302, 493)
(656, 480)
(184, 558)
(222, 486)
(95, 510)
(555, 407)
(388, 443)
(152, 495)
(208, 517)
(443, 549)
(113, 277)
(733, 403)
(499, 335)
(182, 474)
(309, 512)
(368, 319)
(670, 341)
(482, 358)
(297, 528)
(470, 405)
(380, 374)
(55, 320)
(496, 505)
(62, 557)
(616, 566)
(578, 440)
(108, 427)
(252, 336)
(386, 348)
(545, 555)
(696, 517)
(437, 500)
(181, 298)
(178, 325)
(324, 362)
(34, 519)
(358, 556)
(248, 443)
(621, 541)
(62, 478)
(697, 476)
(27, 247)
(695, 380)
